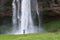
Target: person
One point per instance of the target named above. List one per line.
(23, 31)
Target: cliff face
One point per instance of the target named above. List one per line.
(5, 7)
(5, 12)
(49, 9)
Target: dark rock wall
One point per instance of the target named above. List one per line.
(49, 9)
(5, 11)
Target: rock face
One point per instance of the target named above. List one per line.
(49, 9)
(5, 11)
(5, 7)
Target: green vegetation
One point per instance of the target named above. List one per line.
(5, 28)
(52, 26)
(41, 36)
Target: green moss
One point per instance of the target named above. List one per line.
(5, 28)
(52, 26)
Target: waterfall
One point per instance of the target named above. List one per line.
(26, 18)
(22, 17)
(14, 17)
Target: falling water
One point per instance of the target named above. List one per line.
(23, 20)
(26, 18)
(14, 17)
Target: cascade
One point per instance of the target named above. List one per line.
(22, 17)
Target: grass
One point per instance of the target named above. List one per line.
(52, 26)
(41, 36)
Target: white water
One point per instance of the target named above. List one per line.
(14, 17)
(26, 18)
(26, 25)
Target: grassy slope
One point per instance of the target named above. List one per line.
(52, 26)
(41, 36)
